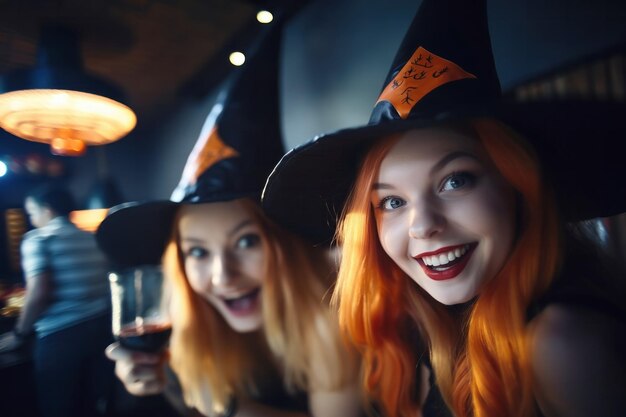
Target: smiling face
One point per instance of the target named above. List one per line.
(444, 215)
(224, 260)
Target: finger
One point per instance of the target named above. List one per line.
(145, 387)
(142, 380)
(117, 353)
(145, 372)
(130, 373)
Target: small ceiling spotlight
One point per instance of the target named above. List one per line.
(264, 16)
(237, 58)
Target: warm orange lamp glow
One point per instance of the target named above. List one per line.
(67, 120)
(88, 220)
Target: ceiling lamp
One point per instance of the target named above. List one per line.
(58, 103)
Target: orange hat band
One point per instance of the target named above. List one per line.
(423, 73)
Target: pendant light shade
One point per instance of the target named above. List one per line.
(58, 103)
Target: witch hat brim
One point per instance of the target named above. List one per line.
(580, 144)
(136, 233)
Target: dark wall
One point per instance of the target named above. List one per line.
(336, 55)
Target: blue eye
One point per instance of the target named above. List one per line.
(391, 203)
(457, 180)
(248, 241)
(197, 252)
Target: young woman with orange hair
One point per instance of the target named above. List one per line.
(503, 314)
(265, 324)
(252, 332)
(248, 320)
(462, 281)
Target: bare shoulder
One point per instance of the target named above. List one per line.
(578, 362)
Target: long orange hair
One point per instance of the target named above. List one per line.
(299, 346)
(480, 359)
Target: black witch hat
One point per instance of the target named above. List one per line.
(444, 71)
(239, 144)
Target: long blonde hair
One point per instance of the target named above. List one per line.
(299, 345)
(481, 360)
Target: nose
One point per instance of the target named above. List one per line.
(222, 271)
(426, 220)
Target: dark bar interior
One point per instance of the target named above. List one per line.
(168, 60)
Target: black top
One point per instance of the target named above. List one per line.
(434, 406)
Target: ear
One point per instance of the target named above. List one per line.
(48, 213)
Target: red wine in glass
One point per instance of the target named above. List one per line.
(145, 337)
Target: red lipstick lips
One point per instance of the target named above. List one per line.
(449, 270)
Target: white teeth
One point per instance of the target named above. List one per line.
(445, 258)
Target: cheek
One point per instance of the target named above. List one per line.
(197, 279)
(392, 234)
(500, 206)
(254, 264)
(489, 214)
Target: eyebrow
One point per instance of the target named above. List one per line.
(233, 231)
(240, 226)
(437, 167)
(450, 157)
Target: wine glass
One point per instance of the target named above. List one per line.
(140, 311)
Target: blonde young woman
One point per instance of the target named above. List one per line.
(461, 281)
(252, 334)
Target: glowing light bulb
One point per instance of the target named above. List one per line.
(264, 16)
(237, 58)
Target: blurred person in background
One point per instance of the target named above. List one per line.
(67, 308)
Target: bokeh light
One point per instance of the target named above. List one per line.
(237, 58)
(264, 16)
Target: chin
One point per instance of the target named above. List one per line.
(453, 299)
(246, 326)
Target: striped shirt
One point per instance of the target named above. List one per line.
(77, 269)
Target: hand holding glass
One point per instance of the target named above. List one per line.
(140, 312)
